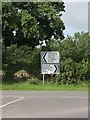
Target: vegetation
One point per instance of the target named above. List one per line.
(23, 35)
(45, 87)
(31, 22)
(73, 62)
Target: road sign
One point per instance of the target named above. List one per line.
(50, 57)
(50, 62)
(50, 69)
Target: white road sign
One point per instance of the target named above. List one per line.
(50, 62)
(50, 57)
(50, 69)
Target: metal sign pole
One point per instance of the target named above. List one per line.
(43, 78)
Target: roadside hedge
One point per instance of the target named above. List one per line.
(74, 60)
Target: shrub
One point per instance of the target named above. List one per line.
(35, 81)
(16, 58)
(74, 63)
(2, 73)
(72, 72)
(21, 74)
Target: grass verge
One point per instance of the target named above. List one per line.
(47, 87)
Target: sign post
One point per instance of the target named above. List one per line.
(43, 78)
(50, 63)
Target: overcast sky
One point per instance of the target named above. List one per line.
(75, 17)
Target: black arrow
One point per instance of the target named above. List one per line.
(56, 68)
(44, 57)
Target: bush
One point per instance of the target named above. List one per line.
(16, 58)
(72, 72)
(21, 75)
(74, 63)
(35, 81)
(2, 73)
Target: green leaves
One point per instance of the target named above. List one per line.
(29, 25)
(74, 58)
(74, 62)
(32, 22)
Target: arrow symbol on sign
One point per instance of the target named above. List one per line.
(50, 69)
(44, 57)
(55, 69)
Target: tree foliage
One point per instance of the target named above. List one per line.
(31, 23)
(74, 59)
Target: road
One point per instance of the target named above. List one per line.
(44, 104)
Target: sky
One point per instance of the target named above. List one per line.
(75, 16)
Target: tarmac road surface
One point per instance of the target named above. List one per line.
(44, 104)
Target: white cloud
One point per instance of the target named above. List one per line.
(76, 16)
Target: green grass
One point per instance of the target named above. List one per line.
(47, 87)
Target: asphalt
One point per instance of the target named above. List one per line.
(44, 104)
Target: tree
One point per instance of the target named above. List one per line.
(32, 23)
(74, 57)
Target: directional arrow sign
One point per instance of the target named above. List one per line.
(50, 62)
(50, 57)
(50, 69)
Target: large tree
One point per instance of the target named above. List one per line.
(31, 23)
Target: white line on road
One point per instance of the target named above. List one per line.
(11, 102)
